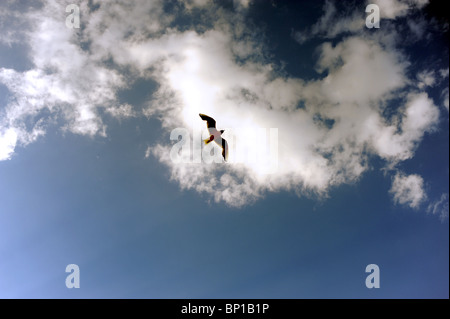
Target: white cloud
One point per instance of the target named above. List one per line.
(190, 4)
(8, 140)
(360, 70)
(446, 98)
(244, 3)
(392, 9)
(223, 72)
(121, 112)
(426, 78)
(420, 116)
(331, 24)
(440, 207)
(148, 152)
(408, 190)
(444, 73)
(12, 24)
(312, 156)
(65, 79)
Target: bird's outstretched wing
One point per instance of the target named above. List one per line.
(210, 122)
(225, 149)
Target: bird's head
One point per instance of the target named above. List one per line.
(221, 131)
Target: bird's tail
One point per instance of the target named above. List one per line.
(207, 141)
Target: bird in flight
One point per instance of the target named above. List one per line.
(215, 135)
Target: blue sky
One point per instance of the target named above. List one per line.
(86, 175)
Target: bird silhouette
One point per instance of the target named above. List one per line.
(215, 135)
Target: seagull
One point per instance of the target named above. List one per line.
(215, 135)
